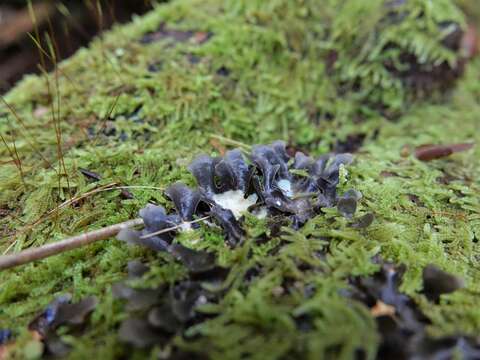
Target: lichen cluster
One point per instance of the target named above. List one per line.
(209, 76)
(297, 188)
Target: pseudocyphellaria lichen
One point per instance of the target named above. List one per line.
(401, 323)
(61, 313)
(267, 182)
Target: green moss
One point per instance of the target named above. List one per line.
(375, 44)
(278, 87)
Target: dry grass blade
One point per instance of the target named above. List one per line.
(15, 157)
(104, 121)
(244, 147)
(163, 231)
(43, 53)
(27, 138)
(56, 112)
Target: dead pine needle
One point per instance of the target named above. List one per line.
(227, 141)
(163, 231)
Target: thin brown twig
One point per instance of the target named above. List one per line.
(42, 252)
(108, 187)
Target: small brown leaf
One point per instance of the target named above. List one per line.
(388, 174)
(405, 151)
(201, 37)
(382, 309)
(218, 146)
(432, 152)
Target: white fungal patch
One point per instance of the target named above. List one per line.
(234, 201)
(185, 226)
(286, 187)
(261, 213)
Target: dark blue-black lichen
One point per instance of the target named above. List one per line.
(267, 182)
(5, 336)
(61, 312)
(400, 322)
(275, 84)
(160, 313)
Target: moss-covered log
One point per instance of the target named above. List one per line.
(371, 77)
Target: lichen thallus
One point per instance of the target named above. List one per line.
(269, 182)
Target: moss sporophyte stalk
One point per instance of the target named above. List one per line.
(270, 251)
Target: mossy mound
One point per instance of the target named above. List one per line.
(197, 77)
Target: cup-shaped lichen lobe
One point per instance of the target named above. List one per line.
(185, 200)
(155, 218)
(233, 172)
(203, 169)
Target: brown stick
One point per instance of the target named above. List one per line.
(26, 256)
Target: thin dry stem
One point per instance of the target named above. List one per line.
(42, 252)
(27, 138)
(163, 231)
(15, 157)
(30, 255)
(104, 121)
(227, 141)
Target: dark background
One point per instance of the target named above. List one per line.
(71, 24)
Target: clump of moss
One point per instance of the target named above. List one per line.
(389, 53)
